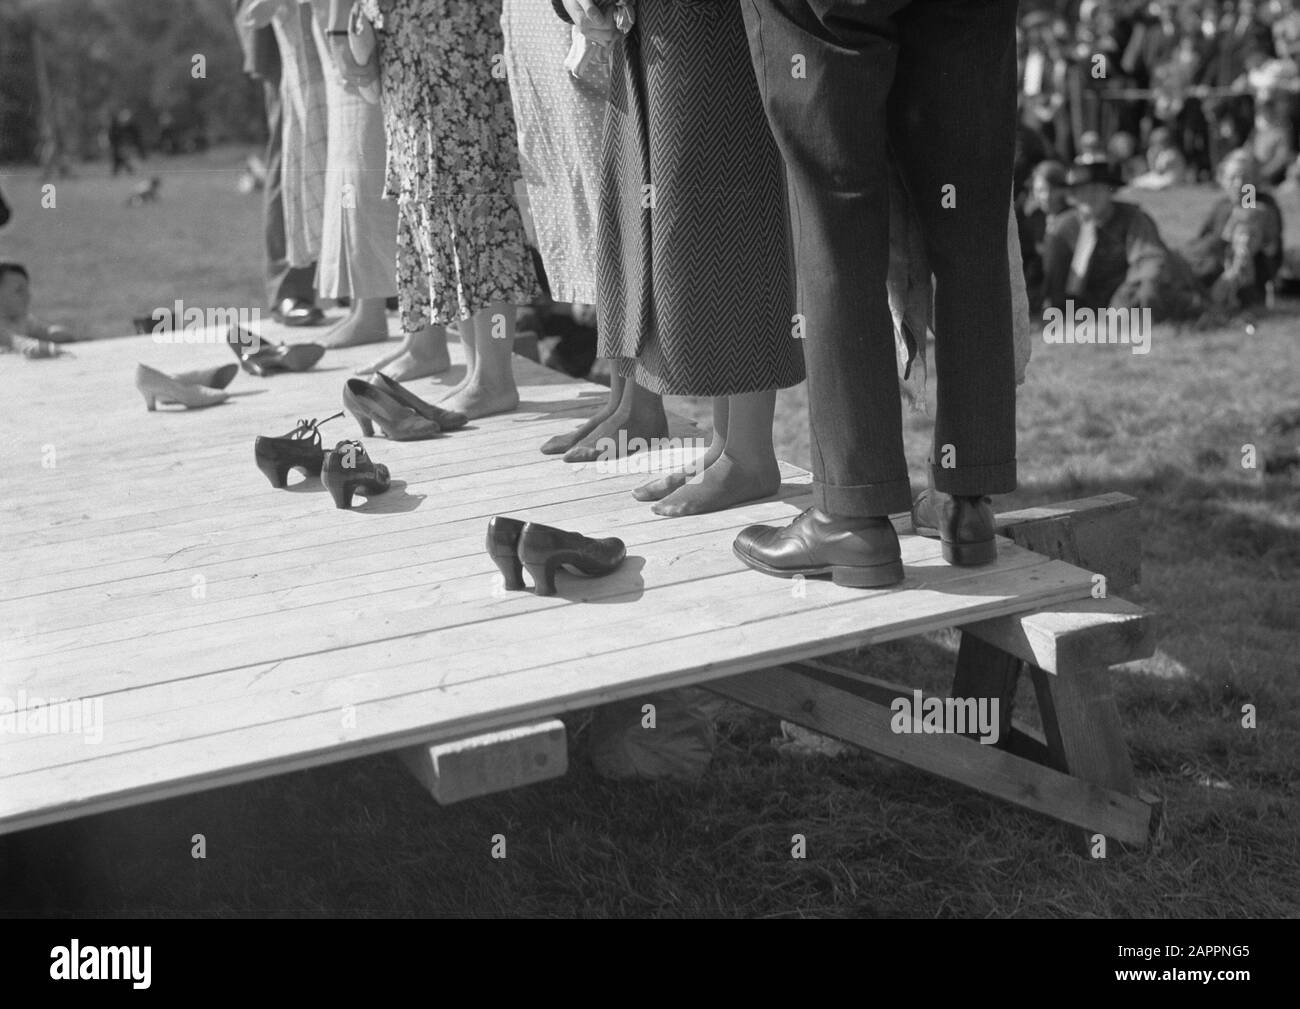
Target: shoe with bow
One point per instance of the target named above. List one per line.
(299, 449)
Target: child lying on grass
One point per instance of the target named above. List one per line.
(20, 331)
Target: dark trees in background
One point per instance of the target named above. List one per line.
(101, 55)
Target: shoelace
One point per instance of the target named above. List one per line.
(352, 450)
(309, 427)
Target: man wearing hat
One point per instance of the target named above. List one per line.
(1108, 253)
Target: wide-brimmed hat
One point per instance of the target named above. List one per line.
(1089, 171)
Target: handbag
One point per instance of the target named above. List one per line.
(361, 36)
(362, 42)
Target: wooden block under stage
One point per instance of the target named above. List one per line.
(491, 762)
(230, 631)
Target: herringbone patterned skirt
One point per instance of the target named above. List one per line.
(695, 283)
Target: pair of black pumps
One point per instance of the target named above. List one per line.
(344, 469)
(514, 545)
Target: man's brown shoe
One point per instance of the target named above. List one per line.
(861, 553)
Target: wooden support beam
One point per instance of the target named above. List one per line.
(859, 684)
(1082, 727)
(986, 671)
(1019, 738)
(1098, 534)
(1028, 743)
(1074, 636)
(822, 708)
(492, 762)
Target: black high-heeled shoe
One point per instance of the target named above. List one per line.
(543, 549)
(299, 449)
(503, 548)
(271, 357)
(370, 405)
(347, 469)
(448, 420)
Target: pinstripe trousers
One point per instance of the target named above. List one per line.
(843, 83)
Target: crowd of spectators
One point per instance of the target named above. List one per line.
(1150, 95)
(1216, 76)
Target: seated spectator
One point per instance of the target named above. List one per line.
(21, 331)
(1090, 147)
(1165, 163)
(1121, 151)
(1238, 249)
(1042, 212)
(1108, 253)
(1049, 192)
(1031, 149)
(1270, 140)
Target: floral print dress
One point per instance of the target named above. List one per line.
(452, 159)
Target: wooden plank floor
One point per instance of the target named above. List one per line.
(233, 631)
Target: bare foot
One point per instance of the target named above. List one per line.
(459, 386)
(564, 442)
(660, 487)
(425, 355)
(477, 400)
(363, 325)
(380, 363)
(723, 485)
(611, 438)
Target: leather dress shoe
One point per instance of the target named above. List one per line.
(514, 545)
(300, 449)
(270, 357)
(447, 420)
(156, 386)
(964, 526)
(371, 405)
(861, 553)
(297, 312)
(213, 378)
(347, 468)
(544, 549)
(503, 547)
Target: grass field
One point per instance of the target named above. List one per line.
(1221, 565)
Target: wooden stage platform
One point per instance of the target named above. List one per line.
(233, 631)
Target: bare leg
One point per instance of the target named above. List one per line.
(366, 323)
(491, 386)
(640, 414)
(564, 442)
(745, 471)
(465, 327)
(662, 486)
(402, 351)
(425, 354)
(387, 358)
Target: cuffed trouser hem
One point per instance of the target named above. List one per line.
(863, 500)
(975, 481)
